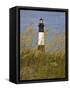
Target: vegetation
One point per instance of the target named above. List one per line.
(35, 64)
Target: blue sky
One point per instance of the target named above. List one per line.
(54, 21)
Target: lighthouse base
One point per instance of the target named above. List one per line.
(41, 48)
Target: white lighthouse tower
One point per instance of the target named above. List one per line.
(41, 41)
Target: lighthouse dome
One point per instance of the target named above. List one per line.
(41, 20)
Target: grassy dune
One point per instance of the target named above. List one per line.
(35, 64)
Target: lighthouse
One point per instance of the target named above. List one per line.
(41, 41)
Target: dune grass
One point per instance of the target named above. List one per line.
(35, 64)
